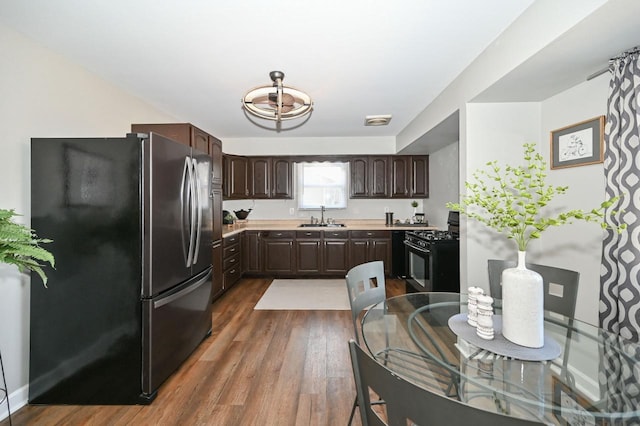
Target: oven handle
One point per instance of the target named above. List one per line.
(415, 247)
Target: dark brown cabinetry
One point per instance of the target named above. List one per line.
(216, 166)
(400, 177)
(368, 246)
(231, 260)
(185, 133)
(282, 177)
(218, 273)
(278, 252)
(260, 177)
(420, 176)
(252, 252)
(236, 177)
(369, 177)
(335, 252)
(308, 252)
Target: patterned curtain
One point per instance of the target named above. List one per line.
(620, 273)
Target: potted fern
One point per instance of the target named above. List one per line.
(20, 246)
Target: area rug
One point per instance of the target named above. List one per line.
(296, 294)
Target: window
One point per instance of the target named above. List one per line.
(322, 184)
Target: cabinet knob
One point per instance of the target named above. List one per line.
(369, 234)
(308, 234)
(232, 260)
(233, 249)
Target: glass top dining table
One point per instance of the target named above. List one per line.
(594, 381)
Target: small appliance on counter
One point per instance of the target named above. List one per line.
(227, 218)
(388, 218)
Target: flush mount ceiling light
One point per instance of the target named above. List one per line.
(377, 120)
(277, 102)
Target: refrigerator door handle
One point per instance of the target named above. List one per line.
(198, 206)
(183, 206)
(186, 209)
(192, 211)
(183, 292)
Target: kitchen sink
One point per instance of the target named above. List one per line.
(322, 225)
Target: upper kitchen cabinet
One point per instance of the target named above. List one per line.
(236, 177)
(282, 178)
(216, 167)
(258, 177)
(369, 177)
(409, 176)
(185, 133)
(420, 176)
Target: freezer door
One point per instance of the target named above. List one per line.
(168, 219)
(174, 325)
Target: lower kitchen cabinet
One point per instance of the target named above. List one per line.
(308, 254)
(231, 260)
(218, 284)
(335, 252)
(252, 252)
(278, 252)
(368, 246)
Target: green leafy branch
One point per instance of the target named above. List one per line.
(510, 201)
(20, 246)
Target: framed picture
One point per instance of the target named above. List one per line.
(571, 408)
(579, 144)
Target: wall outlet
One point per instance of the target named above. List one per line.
(292, 211)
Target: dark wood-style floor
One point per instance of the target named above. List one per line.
(257, 368)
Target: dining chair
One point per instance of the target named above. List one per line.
(406, 402)
(560, 285)
(366, 287)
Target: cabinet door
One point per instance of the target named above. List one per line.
(216, 166)
(217, 269)
(380, 249)
(200, 140)
(336, 257)
(379, 177)
(400, 176)
(259, 177)
(216, 206)
(282, 176)
(358, 252)
(359, 177)
(236, 177)
(179, 132)
(252, 253)
(308, 257)
(278, 255)
(420, 176)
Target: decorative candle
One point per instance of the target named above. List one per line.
(485, 317)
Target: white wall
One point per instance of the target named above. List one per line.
(444, 180)
(492, 132)
(44, 95)
(577, 246)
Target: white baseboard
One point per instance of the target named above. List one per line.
(17, 400)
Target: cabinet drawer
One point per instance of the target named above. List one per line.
(336, 235)
(231, 276)
(370, 234)
(232, 261)
(279, 234)
(230, 251)
(308, 234)
(231, 240)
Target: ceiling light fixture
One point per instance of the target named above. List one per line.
(277, 102)
(377, 120)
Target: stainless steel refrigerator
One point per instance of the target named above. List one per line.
(130, 298)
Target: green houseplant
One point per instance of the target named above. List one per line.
(511, 200)
(514, 201)
(20, 246)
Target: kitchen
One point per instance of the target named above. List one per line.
(492, 127)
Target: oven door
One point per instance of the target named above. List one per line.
(419, 273)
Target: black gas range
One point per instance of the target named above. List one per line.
(434, 259)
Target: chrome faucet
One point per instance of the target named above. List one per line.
(321, 215)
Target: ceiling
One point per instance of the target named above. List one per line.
(195, 59)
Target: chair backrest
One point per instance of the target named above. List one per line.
(366, 287)
(406, 401)
(560, 285)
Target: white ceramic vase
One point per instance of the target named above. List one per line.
(523, 305)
